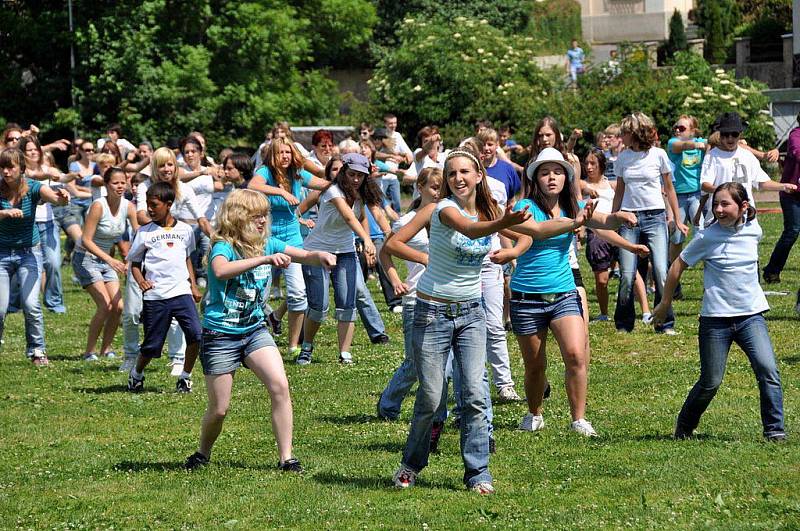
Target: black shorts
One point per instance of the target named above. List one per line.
(576, 274)
(599, 253)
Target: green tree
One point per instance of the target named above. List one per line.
(340, 31)
(677, 34)
(717, 19)
(228, 69)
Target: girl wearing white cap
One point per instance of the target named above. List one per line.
(543, 292)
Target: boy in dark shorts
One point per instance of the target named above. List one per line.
(160, 264)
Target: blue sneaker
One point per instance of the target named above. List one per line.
(304, 358)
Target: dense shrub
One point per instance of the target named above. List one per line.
(454, 72)
(557, 22)
(690, 86)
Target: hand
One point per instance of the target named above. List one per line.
(592, 193)
(681, 227)
(659, 314)
(327, 260)
(131, 156)
(307, 222)
(292, 200)
(145, 285)
(772, 155)
(586, 213)
(279, 260)
(33, 129)
(577, 133)
(641, 250)
(63, 197)
(627, 218)
(118, 266)
(511, 217)
(700, 145)
(196, 295)
(502, 256)
(788, 187)
(369, 252)
(401, 288)
(12, 213)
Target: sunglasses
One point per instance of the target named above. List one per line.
(731, 134)
(88, 150)
(679, 128)
(13, 139)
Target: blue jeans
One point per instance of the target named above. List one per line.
(791, 229)
(439, 327)
(51, 250)
(651, 230)
(405, 376)
(367, 310)
(26, 264)
(688, 205)
(202, 244)
(391, 190)
(716, 336)
(343, 276)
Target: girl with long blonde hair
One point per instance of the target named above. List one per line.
(239, 276)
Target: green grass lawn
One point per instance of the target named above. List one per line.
(77, 451)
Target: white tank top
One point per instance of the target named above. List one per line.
(110, 228)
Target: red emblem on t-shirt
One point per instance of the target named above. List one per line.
(170, 244)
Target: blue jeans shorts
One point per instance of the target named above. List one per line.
(222, 353)
(528, 316)
(90, 269)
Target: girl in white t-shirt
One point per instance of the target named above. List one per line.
(340, 208)
(732, 310)
(642, 170)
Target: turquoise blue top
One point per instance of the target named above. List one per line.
(544, 268)
(236, 305)
(688, 166)
(454, 260)
(284, 221)
(18, 233)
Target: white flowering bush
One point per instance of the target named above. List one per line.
(690, 86)
(454, 72)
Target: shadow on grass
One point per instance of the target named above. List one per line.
(117, 388)
(95, 368)
(791, 360)
(392, 447)
(364, 482)
(350, 419)
(135, 466)
(667, 437)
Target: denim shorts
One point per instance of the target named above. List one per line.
(66, 216)
(222, 353)
(530, 316)
(90, 269)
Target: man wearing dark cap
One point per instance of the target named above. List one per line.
(730, 162)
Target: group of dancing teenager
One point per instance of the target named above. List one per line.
(464, 237)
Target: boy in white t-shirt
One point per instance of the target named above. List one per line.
(729, 162)
(160, 265)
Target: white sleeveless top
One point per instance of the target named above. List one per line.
(109, 228)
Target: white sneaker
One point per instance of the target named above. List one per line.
(508, 394)
(127, 364)
(202, 283)
(531, 422)
(670, 332)
(584, 427)
(404, 477)
(345, 358)
(397, 309)
(176, 368)
(647, 318)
